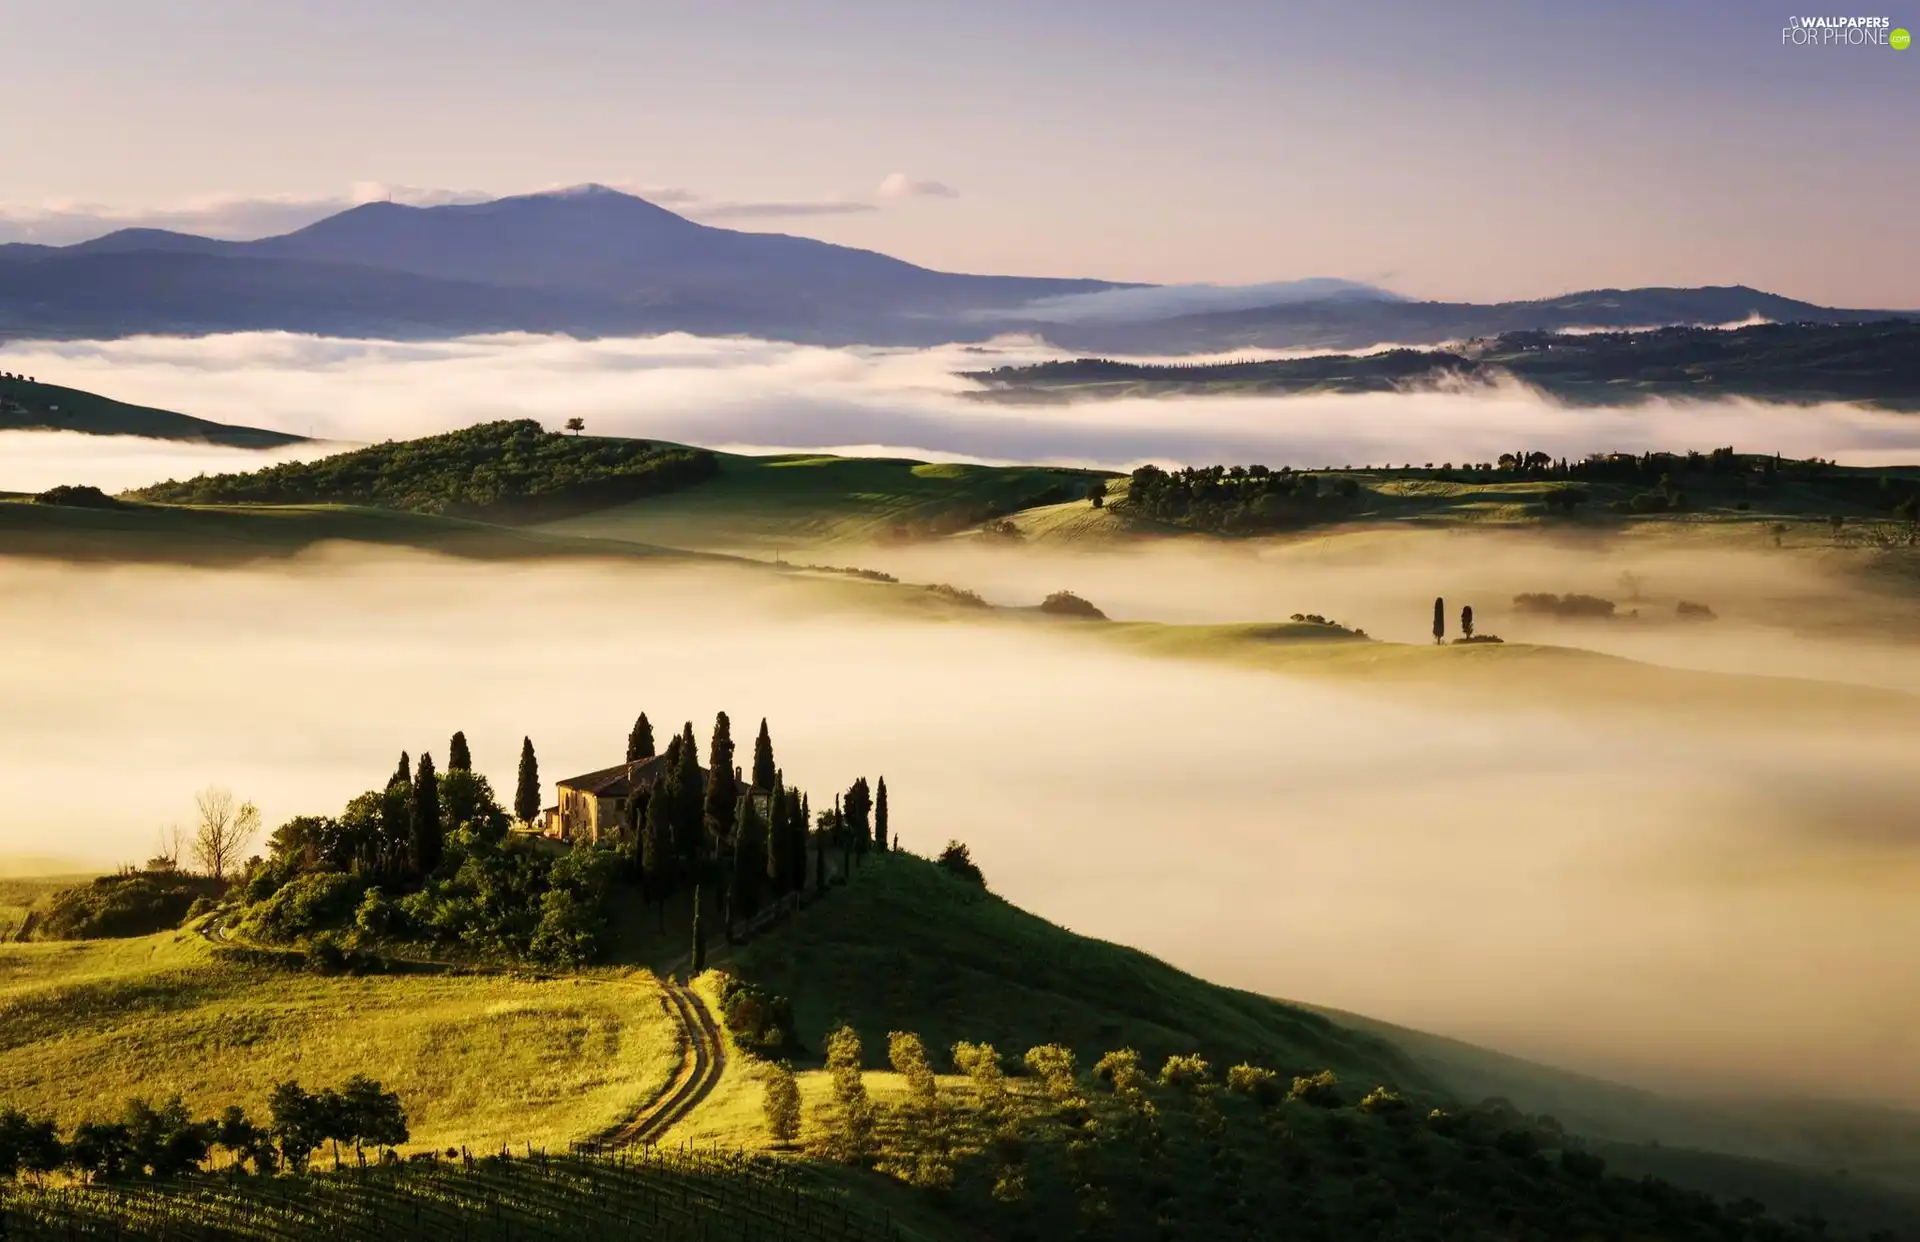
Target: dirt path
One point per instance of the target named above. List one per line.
(706, 1059)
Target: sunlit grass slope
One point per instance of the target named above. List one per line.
(765, 505)
(906, 947)
(477, 1059)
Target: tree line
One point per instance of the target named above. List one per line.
(431, 855)
(166, 1141)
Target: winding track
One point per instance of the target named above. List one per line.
(706, 1059)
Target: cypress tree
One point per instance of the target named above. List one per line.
(1439, 620)
(640, 741)
(779, 855)
(427, 841)
(880, 816)
(458, 760)
(689, 836)
(797, 840)
(526, 794)
(404, 773)
(749, 861)
(841, 835)
(1466, 621)
(819, 857)
(859, 817)
(656, 848)
(699, 937)
(764, 773)
(722, 787)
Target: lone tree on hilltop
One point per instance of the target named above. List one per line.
(880, 816)
(576, 425)
(764, 772)
(224, 830)
(458, 758)
(640, 741)
(1466, 621)
(426, 839)
(1439, 620)
(526, 794)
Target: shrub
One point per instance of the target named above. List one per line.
(137, 904)
(1067, 604)
(981, 1063)
(1187, 1073)
(957, 595)
(1383, 1102)
(782, 1104)
(1690, 611)
(1054, 1065)
(957, 861)
(1321, 1090)
(1260, 1085)
(82, 496)
(760, 1021)
(304, 905)
(1584, 1165)
(1563, 605)
(1121, 1070)
(1477, 638)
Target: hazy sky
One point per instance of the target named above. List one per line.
(1475, 150)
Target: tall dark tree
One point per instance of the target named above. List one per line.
(859, 816)
(1466, 621)
(797, 838)
(526, 794)
(657, 861)
(689, 832)
(1439, 620)
(404, 773)
(458, 758)
(749, 862)
(764, 773)
(699, 936)
(427, 842)
(722, 788)
(779, 859)
(880, 838)
(640, 741)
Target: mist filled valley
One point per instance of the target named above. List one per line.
(1626, 893)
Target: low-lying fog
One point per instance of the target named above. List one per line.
(1676, 905)
(763, 396)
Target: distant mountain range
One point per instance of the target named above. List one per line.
(596, 262)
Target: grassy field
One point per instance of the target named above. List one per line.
(477, 1059)
(767, 505)
(49, 407)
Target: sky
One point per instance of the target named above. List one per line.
(1475, 150)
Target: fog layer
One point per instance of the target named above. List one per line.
(761, 395)
(1686, 905)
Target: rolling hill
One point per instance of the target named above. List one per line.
(27, 405)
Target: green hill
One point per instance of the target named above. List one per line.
(769, 504)
(26, 405)
(501, 472)
(238, 534)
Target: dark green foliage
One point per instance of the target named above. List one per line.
(687, 806)
(880, 837)
(760, 1021)
(764, 770)
(1236, 499)
(165, 1142)
(427, 843)
(1466, 621)
(1067, 604)
(81, 497)
(28, 1144)
(1439, 620)
(1563, 605)
(778, 869)
(99, 1149)
(459, 759)
(403, 775)
(504, 471)
(526, 791)
(956, 860)
(749, 861)
(657, 862)
(857, 811)
(302, 906)
(723, 789)
(136, 904)
(640, 740)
